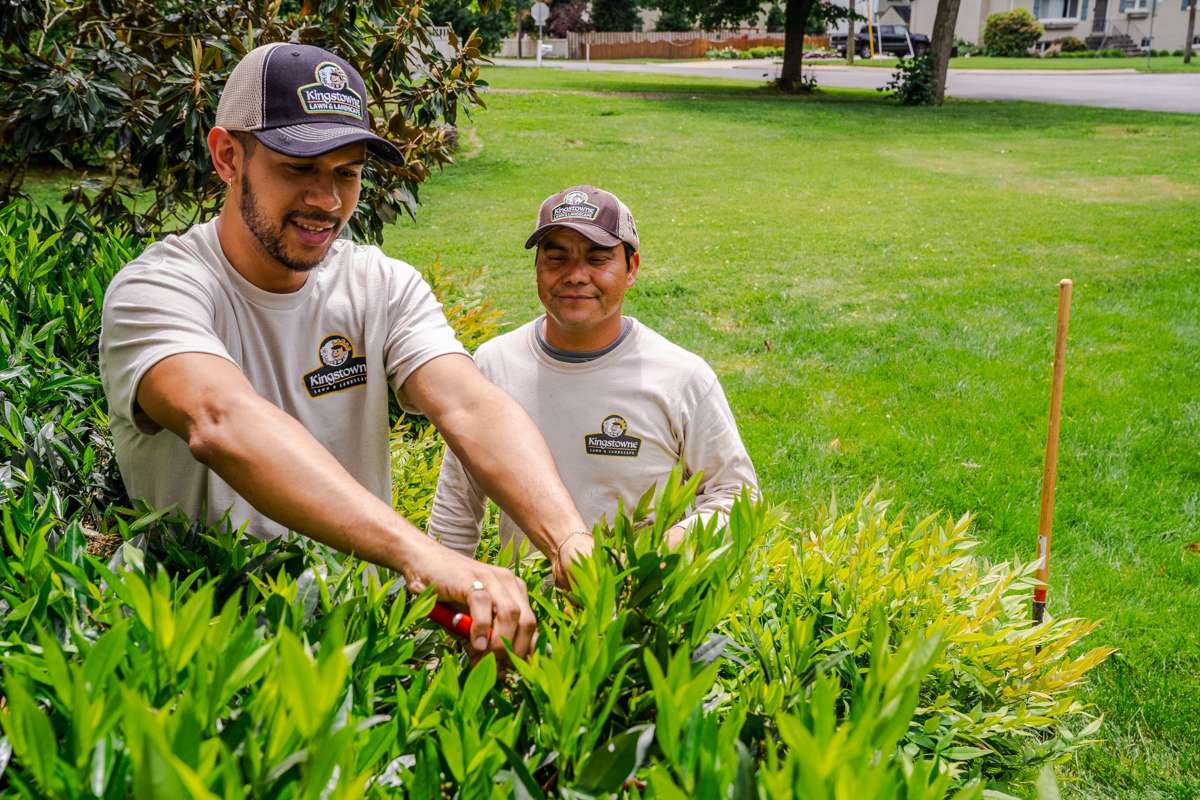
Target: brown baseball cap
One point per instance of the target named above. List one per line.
(593, 212)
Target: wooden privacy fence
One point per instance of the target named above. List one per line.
(681, 44)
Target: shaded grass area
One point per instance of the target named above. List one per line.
(876, 287)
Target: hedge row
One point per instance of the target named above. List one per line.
(858, 655)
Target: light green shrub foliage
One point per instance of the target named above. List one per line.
(415, 446)
(1011, 33)
(856, 656)
(753, 52)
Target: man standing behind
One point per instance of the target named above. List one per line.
(247, 362)
(618, 404)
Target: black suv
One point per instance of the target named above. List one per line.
(890, 39)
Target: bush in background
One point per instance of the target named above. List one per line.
(776, 19)
(753, 52)
(674, 17)
(1095, 54)
(126, 91)
(492, 24)
(964, 48)
(569, 17)
(616, 15)
(1071, 44)
(1011, 33)
(913, 83)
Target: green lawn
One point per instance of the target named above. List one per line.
(876, 287)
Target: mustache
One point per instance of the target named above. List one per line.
(314, 221)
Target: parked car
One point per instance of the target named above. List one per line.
(890, 39)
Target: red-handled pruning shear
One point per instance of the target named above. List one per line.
(455, 622)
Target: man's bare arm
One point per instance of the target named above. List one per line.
(503, 449)
(272, 461)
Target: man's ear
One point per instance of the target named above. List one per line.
(631, 271)
(226, 154)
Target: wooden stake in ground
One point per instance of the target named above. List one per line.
(1050, 467)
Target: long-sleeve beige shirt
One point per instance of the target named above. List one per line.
(616, 425)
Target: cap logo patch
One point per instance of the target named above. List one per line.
(613, 439)
(340, 367)
(331, 93)
(575, 205)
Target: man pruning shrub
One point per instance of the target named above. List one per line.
(267, 346)
(619, 405)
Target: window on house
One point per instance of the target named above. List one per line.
(1060, 9)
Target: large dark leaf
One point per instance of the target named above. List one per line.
(615, 762)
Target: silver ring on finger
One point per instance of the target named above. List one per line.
(477, 586)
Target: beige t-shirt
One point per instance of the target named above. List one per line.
(616, 425)
(326, 354)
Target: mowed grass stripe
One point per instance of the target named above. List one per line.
(876, 287)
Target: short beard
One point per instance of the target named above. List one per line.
(270, 236)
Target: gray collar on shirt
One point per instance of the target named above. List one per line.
(577, 357)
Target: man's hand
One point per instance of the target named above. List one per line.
(675, 537)
(496, 599)
(576, 546)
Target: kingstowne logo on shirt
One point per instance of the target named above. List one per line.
(340, 368)
(612, 439)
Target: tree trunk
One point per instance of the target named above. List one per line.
(795, 21)
(942, 44)
(850, 36)
(1191, 33)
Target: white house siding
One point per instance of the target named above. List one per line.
(1170, 19)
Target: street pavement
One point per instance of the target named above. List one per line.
(1116, 88)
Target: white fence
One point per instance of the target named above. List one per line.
(440, 34)
(673, 44)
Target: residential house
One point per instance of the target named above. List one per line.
(1117, 24)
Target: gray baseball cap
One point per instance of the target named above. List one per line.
(301, 101)
(593, 212)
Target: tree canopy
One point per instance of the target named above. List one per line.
(799, 16)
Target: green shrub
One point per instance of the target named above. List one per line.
(1011, 33)
(1095, 54)
(212, 665)
(1071, 44)
(492, 23)
(914, 81)
(216, 665)
(53, 425)
(776, 19)
(764, 52)
(966, 48)
(721, 52)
